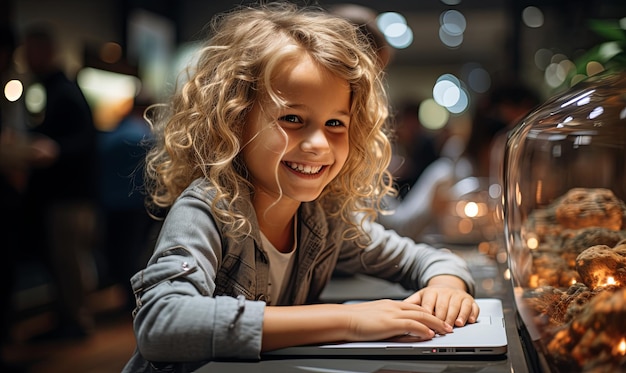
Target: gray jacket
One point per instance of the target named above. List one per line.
(202, 295)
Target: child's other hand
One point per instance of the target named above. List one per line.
(447, 301)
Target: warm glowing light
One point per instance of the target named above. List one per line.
(502, 257)
(538, 192)
(577, 78)
(432, 115)
(532, 243)
(593, 68)
(111, 52)
(621, 347)
(465, 226)
(507, 274)
(573, 281)
(608, 281)
(471, 209)
(484, 247)
(533, 281)
(107, 85)
(13, 90)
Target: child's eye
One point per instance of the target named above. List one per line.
(291, 118)
(334, 123)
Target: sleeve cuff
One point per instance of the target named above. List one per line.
(238, 329)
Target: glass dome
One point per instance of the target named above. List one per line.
(565, 227)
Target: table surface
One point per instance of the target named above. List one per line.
(490, 281)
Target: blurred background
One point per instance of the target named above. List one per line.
(480, 42)
(459, 73)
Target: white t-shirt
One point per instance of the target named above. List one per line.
(281, 265)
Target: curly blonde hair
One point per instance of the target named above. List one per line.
(200, 133)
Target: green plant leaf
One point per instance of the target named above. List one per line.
(608, 29)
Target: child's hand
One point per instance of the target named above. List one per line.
(384, 319)
(448, 301)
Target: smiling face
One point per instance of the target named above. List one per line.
(307, 144)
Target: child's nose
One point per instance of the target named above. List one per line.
(315, 141)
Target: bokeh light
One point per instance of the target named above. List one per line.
(554, 75)
(35, 98)
(479, 79)
(453, 22)
(461, 104)
(432, 115)
(450, 41)
(532, 17)
(452, 26)
(558, 71)
(386, 19)
(446, 93)
(609, 50)
(558, 57)
(444, 83)
(395, 29)
(449, 93)
(471, 209)
(577, 79)
(399, 36)
(543, 58)
(593, 68)
(111, 52)
(110, 95)
(107, 84)
(13, 90)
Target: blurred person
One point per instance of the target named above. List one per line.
(60, 192)
(126, 223)
(480, 157)
(417, 213)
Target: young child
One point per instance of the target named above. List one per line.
(271, 165)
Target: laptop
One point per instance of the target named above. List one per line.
(486, 337)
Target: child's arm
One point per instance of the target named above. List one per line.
(447, 298)
(324, 323)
